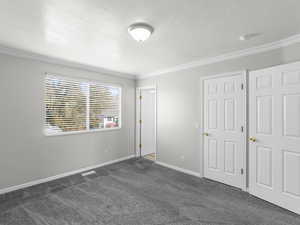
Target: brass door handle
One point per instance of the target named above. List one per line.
(253, 139)
(205, 134)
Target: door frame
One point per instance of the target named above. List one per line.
(138, 117)
(245, 74)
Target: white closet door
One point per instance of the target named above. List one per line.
(224, 129)
(274, 147)
(148, 117)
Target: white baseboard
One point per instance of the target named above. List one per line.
(189, 172)
(44, 180)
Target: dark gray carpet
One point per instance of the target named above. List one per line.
(138, 192)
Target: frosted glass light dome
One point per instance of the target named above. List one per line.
(140, 31)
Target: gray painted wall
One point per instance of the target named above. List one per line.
(25, 153)
(179, 100)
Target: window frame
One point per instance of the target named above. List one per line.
(88, 130)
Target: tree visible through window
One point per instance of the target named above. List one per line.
(74, 105)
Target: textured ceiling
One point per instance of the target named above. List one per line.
(94, 32)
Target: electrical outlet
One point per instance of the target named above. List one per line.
(182, 158)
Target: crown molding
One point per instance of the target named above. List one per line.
(232, 55)
(53, 60)
(202, 62)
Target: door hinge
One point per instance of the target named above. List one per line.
(242, 86)
(140, 121)
(140, 145)
(140, 97)
(242, 129)
(242, 171)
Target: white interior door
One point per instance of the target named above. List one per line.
(274, 148)
(225, 129)
(148, 121)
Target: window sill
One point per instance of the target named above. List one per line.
(81, 132)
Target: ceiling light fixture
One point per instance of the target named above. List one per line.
(140, 31)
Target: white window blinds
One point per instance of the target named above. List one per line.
(73, 105)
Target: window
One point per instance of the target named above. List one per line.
(73, 105)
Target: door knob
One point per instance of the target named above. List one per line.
(253, 139)
(205, 134)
